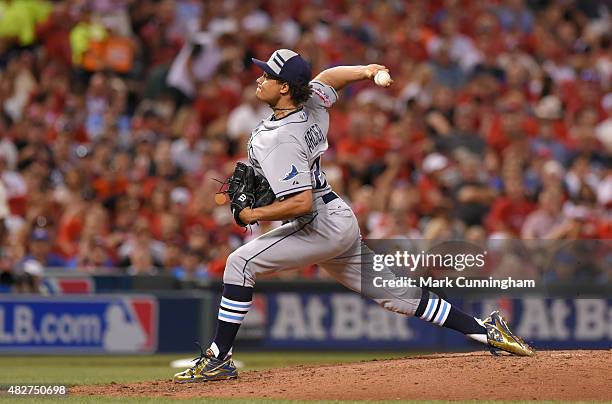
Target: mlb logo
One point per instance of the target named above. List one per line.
(130, 325)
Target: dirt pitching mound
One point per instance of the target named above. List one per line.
(550, 375)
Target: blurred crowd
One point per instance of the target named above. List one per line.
(116, 116)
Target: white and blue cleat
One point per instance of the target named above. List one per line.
(207, 368)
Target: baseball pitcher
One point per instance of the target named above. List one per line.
(284, 180)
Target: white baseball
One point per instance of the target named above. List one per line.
(382, 78)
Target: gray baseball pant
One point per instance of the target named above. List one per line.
(329, 237)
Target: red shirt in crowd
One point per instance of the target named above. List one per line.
(509, 214)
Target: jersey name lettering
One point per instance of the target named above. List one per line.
(313, 136)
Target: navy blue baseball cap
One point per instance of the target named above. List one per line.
(288, 65)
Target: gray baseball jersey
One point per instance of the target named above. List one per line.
(288, 153)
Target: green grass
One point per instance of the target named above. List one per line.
(73, 370)
(106, 369)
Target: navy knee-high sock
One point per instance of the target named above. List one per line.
(235, 303)
(436, 310)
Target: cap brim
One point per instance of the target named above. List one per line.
(264, 66)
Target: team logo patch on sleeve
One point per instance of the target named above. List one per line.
(326, 100)
(291, 174)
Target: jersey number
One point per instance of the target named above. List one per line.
(319, 180)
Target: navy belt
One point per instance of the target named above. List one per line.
(327, 198)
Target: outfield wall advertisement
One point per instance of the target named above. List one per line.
(291, 320)
(132, 324)
(84, 324)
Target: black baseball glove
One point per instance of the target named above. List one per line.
(241, 190)
(247, 190)
(263, 192)
(236, 180)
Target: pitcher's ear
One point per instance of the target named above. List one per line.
(285, 89)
